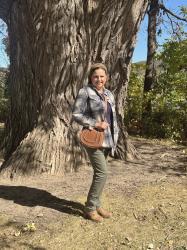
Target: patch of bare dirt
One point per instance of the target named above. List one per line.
(147, 197)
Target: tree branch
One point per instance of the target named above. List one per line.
(171, 22)
(161, 6)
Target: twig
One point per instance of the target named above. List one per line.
(161, 6)
(181, 208)
(171, 23)
(163, 212)
(135, 216)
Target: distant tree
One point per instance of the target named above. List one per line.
(156, 12)
(52, 44)
(171, 89)
(168, 97)
(133, 109)
(151, 45)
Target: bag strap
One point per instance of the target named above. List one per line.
(105, 106)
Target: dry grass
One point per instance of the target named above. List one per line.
(155, 216)
(148, 200)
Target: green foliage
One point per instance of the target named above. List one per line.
(167, 116)
(133, 110)
(171, 89)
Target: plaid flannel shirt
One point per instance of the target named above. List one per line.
(89, 109)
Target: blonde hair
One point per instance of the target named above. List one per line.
(94, 67)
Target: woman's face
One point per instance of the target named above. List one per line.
(99, 79)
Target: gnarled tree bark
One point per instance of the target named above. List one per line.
(52, 45)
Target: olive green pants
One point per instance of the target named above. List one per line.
(98, 160)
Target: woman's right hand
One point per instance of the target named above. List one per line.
(101, 125)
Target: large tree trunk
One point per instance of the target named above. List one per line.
(52, 45)
(150, 73)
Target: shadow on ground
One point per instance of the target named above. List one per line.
(28, 196)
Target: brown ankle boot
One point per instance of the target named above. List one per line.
(94, 216)
(104, 213)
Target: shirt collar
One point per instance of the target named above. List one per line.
(104, 89)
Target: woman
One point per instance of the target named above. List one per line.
(95, 107)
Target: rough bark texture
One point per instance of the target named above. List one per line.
(150, 73)
(52, 45)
